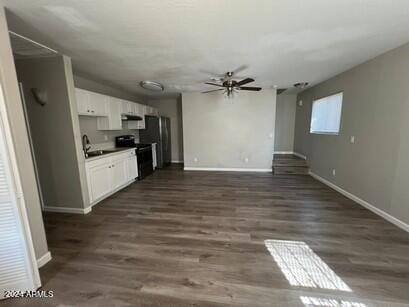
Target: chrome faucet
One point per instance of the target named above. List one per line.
(85, 145)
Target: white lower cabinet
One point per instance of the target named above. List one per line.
(119, 172)
(106, 175)
(132, 168)
(99, 181)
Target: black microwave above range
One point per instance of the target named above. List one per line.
(143, 154)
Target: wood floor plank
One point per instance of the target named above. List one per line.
(198, 239)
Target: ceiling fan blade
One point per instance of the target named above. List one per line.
(239, 69)
(215, 84)
(245, 81)
(249, 88)
(220, 89)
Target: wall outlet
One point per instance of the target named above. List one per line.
(334, 172)
(246, 160)
(105, 137)
(271, 135)
(352, 139)
(195, 160)
(300, 103)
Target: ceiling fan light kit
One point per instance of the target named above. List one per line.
(301, 85)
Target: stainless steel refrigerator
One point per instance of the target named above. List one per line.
(157, 130)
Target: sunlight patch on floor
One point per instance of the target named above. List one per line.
(325, 302)
(302, 267)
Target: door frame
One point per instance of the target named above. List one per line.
(15, 181)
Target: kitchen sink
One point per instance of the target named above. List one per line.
(96, 153)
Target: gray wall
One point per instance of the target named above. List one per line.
(285, 123)
(88, 125)
(51, 130)
(172, 108)
(221, 133)
(376, 111)
(15, 114)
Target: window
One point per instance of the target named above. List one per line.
(326, 114)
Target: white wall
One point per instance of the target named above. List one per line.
(285, 123)
(222, 134)
(172, 108)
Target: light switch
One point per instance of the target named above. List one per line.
(300, 103)
(352, 139)
(195, 159)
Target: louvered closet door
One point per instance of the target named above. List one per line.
(17, 271)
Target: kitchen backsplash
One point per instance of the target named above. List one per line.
(88, 126)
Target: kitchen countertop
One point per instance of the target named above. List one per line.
(117, 151)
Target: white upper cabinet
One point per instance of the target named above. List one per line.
(98, 103)
(129, 107)
(90, 104)
(125, 107)
(140, 124)
(82, 98)
(135, 108)
(109, 110)
(151, 111)
(113, 120)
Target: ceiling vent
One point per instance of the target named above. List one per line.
(24, 48)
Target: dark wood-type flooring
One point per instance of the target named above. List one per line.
(197, 239)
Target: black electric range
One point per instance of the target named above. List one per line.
(143, 154)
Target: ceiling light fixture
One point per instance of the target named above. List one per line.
(301, 85)
(152, 86)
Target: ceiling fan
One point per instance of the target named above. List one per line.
(230, 86)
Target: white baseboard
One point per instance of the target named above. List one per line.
(222, 169)
(284, 152)
(299, 155)
(68, 210)
(43, 259)
(177, 162)
(360, 201)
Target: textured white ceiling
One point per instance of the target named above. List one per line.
(181, 43)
